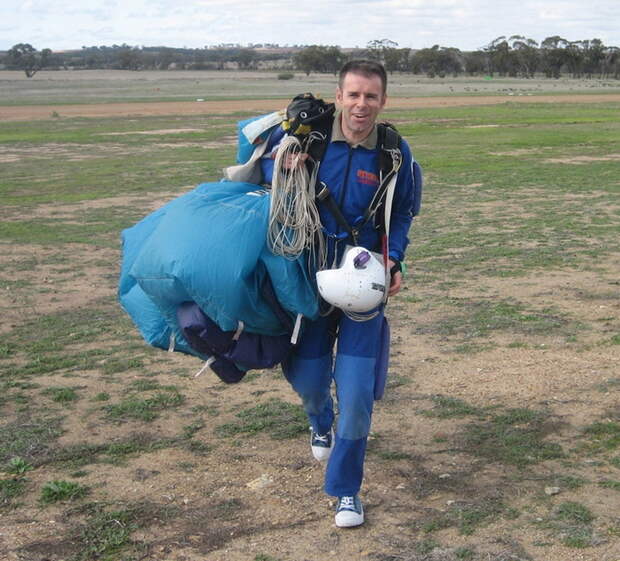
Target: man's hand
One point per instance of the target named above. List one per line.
(396, 281)
(294, 161)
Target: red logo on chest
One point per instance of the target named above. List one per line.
(367, 178)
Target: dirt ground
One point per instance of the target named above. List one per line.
(260, 499)
(20, 113)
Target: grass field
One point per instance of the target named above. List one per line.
(498, 438)
(87, 86)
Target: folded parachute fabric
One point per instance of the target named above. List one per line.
(232, 352)
(208, 247)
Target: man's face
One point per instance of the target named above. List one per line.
(361, 99)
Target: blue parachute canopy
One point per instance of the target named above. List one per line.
(208, 246)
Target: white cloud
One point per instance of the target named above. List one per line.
(466, 24)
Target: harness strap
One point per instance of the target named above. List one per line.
(390, 160)
(296, 329)
(324, 196)
(389, 196)
(239, 331)
(206, 365)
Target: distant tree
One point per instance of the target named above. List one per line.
(526, 55)
(128, 58)
(247, 58)
(148, 59)
(593, 57)
(24, 56)
(92, 57)
(333, 59)
(377, 49)
(308, 60)
(46, 55)
(396, 59)
(585, 58)
(405, 58)
(553, 55)
(574, 58)
(501, 57)
(437, 61)
(611, 63)
(220, 56)
(423, 61)
(451, 61)
(319, 58)
(476, 62)
(164, 58)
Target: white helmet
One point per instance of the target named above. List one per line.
(358, 285)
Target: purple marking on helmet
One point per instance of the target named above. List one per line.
(361, 259)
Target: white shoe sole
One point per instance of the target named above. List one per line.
(349, 519)
(321, 453)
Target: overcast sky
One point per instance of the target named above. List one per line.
(465, 24)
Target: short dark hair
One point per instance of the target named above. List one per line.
(366, 68)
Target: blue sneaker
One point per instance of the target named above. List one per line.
(349, 512)
(321, 444)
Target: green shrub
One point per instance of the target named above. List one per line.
(54, 491)
(18, 466)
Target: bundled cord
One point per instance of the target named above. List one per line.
(294, 221)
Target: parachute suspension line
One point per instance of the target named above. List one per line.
(397, 161)
(397, 158)
(294, 221)
(361, 317)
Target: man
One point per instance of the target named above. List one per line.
(350, 170)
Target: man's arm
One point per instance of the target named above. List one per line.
(396, 279)
(267, 161)
(405, 206)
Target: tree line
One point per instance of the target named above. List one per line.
(515, 56)
(24, 56)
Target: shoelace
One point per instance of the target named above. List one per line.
(347, 502)
(321, 438)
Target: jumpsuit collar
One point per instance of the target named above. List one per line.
(370, 142)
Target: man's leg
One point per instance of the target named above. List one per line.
(309, 371)
(358, 346)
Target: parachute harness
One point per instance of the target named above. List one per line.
(390, 163)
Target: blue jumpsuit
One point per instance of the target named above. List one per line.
(352, 175)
